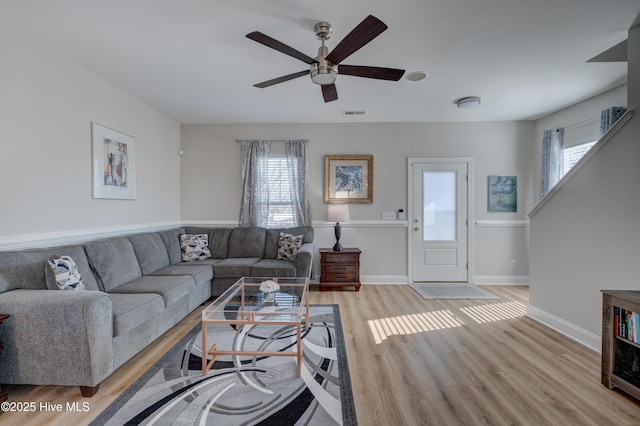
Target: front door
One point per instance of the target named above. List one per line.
(438, 227)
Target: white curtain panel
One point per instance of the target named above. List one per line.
(254, 209)
(298, 164)
(609, 116)
(551, 159)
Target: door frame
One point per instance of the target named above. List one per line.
(411, 161)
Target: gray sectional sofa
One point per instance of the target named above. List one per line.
(136, 288)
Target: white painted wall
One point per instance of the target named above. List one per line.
(46, 108)
(586, 237)
(210, 184)
(585, 113)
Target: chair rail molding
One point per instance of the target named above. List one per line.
(501, 223)
(59, 238)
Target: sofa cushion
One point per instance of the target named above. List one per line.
(171, 288)
(247, 242)
(234, 267)
(194, 247)
(273, 268)
(131, 310)
(114, 261)
(171, 240)
(61, 273)
(273, 238)
(288, 246)
(199, 272)
(150, 252)
(218, 239)
(26, 268)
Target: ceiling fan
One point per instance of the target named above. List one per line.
(325, 67)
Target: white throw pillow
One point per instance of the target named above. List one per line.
(66, 273)
(194, 247)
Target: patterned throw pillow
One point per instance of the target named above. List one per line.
(194, 247)
(288, 246)
(66, 273)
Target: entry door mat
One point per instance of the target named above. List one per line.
(246, 390)
(452, 291)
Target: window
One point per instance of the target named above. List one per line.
(279, 202)
(275, 188)
(571, 155)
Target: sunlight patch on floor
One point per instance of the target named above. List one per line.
(382, 328)
(495, 311)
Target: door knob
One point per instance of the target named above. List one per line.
(416, 229)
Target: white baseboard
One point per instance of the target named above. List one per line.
(374, 279)
(60, 238)
(501, 280)
(384, 279)
(580, 335)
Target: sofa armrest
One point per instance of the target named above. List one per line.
(56, 337)
(304, 260)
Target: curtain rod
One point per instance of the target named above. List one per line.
(582, 123)
(274, 140)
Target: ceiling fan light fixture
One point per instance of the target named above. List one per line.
(323, 73)
(323, 69)
(468, 102)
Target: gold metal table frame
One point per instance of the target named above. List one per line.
(252, 309)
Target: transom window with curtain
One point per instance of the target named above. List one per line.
(562, 148)
(275, 184)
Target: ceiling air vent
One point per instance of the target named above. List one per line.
(354, 112)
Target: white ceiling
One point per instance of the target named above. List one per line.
(190, 59)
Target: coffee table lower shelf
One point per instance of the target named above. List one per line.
(214, 352)
(244, 305)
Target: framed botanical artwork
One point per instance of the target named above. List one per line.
(113, 163)
(348, 179)
(503, 194)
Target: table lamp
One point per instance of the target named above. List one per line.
(338, 213)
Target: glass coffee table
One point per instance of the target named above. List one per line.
(243, 305)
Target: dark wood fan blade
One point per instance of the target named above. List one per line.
(281, 79)
(329, 92)
(366, 31)
(279, 46)
(380, 73)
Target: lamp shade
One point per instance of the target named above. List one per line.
(338, 213)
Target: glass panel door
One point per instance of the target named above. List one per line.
(440, 207)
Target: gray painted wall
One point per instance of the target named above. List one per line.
(586, 238)
(210, 184)
(48, 104)
(633, 56)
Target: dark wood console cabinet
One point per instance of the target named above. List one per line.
(621, 340)
(340, 268)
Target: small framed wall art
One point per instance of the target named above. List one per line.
(113, 163)
(348, 179)
(503, 194)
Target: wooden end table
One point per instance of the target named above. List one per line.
(340, 268)
(3, 395)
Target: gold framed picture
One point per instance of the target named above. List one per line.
(348, 179)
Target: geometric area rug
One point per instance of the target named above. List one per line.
(246, 390)
(452, 291)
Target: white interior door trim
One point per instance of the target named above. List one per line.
(470, 208)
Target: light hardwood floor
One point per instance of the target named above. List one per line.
(418, 362)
